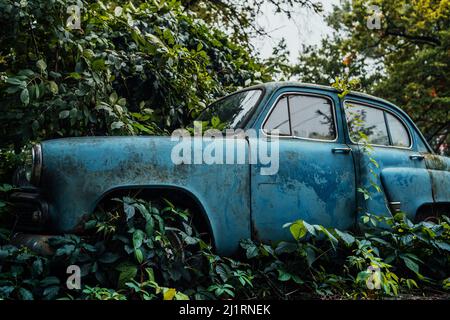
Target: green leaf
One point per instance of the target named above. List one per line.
(283, 276)
(298, 229)
(53, 87)
(26, 72)
(25, 294)
(150, 273)
(5, 187)
(297, 279)
(113, 98)
(75, 75)
(181, 296)
(35, 89)
(129, 210)
(128, 272)
(190, 240)
(42, 66)
(410, 264)
(51, 292)
(310, 228)
(138, 238)
(222, 272)
(25, 96)
(139, 255)
(16, 82)
(442, 245)
(48, 281)
(251, 250)
(38, 267)
(155, 40)
(346, 237)
(12, 90)
(98, 65)
(215, 121)
(64, 114)
(149, 227)
(117, 125)
(169, 293)
(122, 102)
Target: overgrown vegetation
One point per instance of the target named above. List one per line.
(150, 250)
(146, 67)
(404, 58)
(129, 69)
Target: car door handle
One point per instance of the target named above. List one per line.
(341, 150)
(417, 157)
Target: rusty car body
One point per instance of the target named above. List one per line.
(322, 167)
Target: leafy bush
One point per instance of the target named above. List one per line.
(129, 69)
(150, 250)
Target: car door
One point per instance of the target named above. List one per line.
(394, 161)
(315, 180)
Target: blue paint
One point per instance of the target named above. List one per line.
(313, 183)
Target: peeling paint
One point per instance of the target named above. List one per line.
(313, 183)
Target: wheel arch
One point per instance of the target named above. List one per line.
(170, 192)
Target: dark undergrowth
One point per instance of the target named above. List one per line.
(151, 250)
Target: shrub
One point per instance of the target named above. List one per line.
(150, 250)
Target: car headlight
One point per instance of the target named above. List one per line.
(36, 165)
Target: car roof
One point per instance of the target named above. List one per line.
(274, 85)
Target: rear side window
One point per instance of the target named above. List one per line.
(375, 126)
(399, 134)
(366, 122)
(303, 116)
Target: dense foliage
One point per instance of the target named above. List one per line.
(150, 250)
(146, 67)
(129, 69)
(404, 59)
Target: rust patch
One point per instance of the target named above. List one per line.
(435, 162)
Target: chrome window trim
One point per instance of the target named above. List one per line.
(299, 93)
(384, 110)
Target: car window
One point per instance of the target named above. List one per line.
(399, 134)
(233, 110)
(279, 118)
(364, 121)
(311, 117)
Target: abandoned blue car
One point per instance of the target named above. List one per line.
(331, 151)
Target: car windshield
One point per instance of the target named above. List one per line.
(231, 111)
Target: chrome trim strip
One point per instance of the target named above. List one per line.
(385, 110)
(36, 169)
(299, 93)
